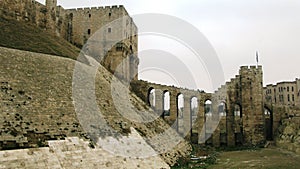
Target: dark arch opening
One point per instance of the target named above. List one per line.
(238, 130)
(268, 123)
(131, 50)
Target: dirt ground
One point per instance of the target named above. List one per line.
(272, 158)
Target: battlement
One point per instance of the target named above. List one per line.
(251, 67)
(98, 8)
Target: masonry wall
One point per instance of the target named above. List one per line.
(238, 106)
(37, 105)
(25, 10)
(107, 26)
(108, 34)
(237, 115)
(252, 105)
(182, 123)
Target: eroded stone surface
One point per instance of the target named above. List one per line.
(76, 153)
(44, 83)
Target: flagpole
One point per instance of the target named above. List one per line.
(257, 59)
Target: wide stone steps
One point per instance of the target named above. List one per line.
(73, 153)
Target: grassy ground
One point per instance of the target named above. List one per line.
(244, 158)
(269, 158)
(24, 36)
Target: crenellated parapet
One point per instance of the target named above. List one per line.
(100, 8)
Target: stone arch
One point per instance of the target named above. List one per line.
(166, 103)
(268, 113)
(180, 105)
(222, 108)
(207, 107)
(151, 97)
(180, 113)
(220, 135)
(194, 106)
(238, 129)
(237, 112)
(194, 109)
(208, 112)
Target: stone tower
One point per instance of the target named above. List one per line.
(109, 35)
(51, 14)
(252, 105)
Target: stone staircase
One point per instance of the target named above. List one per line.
(74, 153)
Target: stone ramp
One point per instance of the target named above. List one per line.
(76, 153)
(37, 105)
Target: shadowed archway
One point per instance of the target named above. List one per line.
(268, 123)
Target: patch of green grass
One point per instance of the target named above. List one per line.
(26, 36)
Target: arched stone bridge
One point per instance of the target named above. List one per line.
(233, 115)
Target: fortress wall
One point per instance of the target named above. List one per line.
(100, 30)
(108, 25)
(78, 25)
(95, 19)
(21, 10)
(37, 105)
(241, 121)
(142, 89)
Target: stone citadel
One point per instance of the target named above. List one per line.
(238, 95)
(116, 42)
(246, 112)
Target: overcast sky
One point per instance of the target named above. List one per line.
(236, 29)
